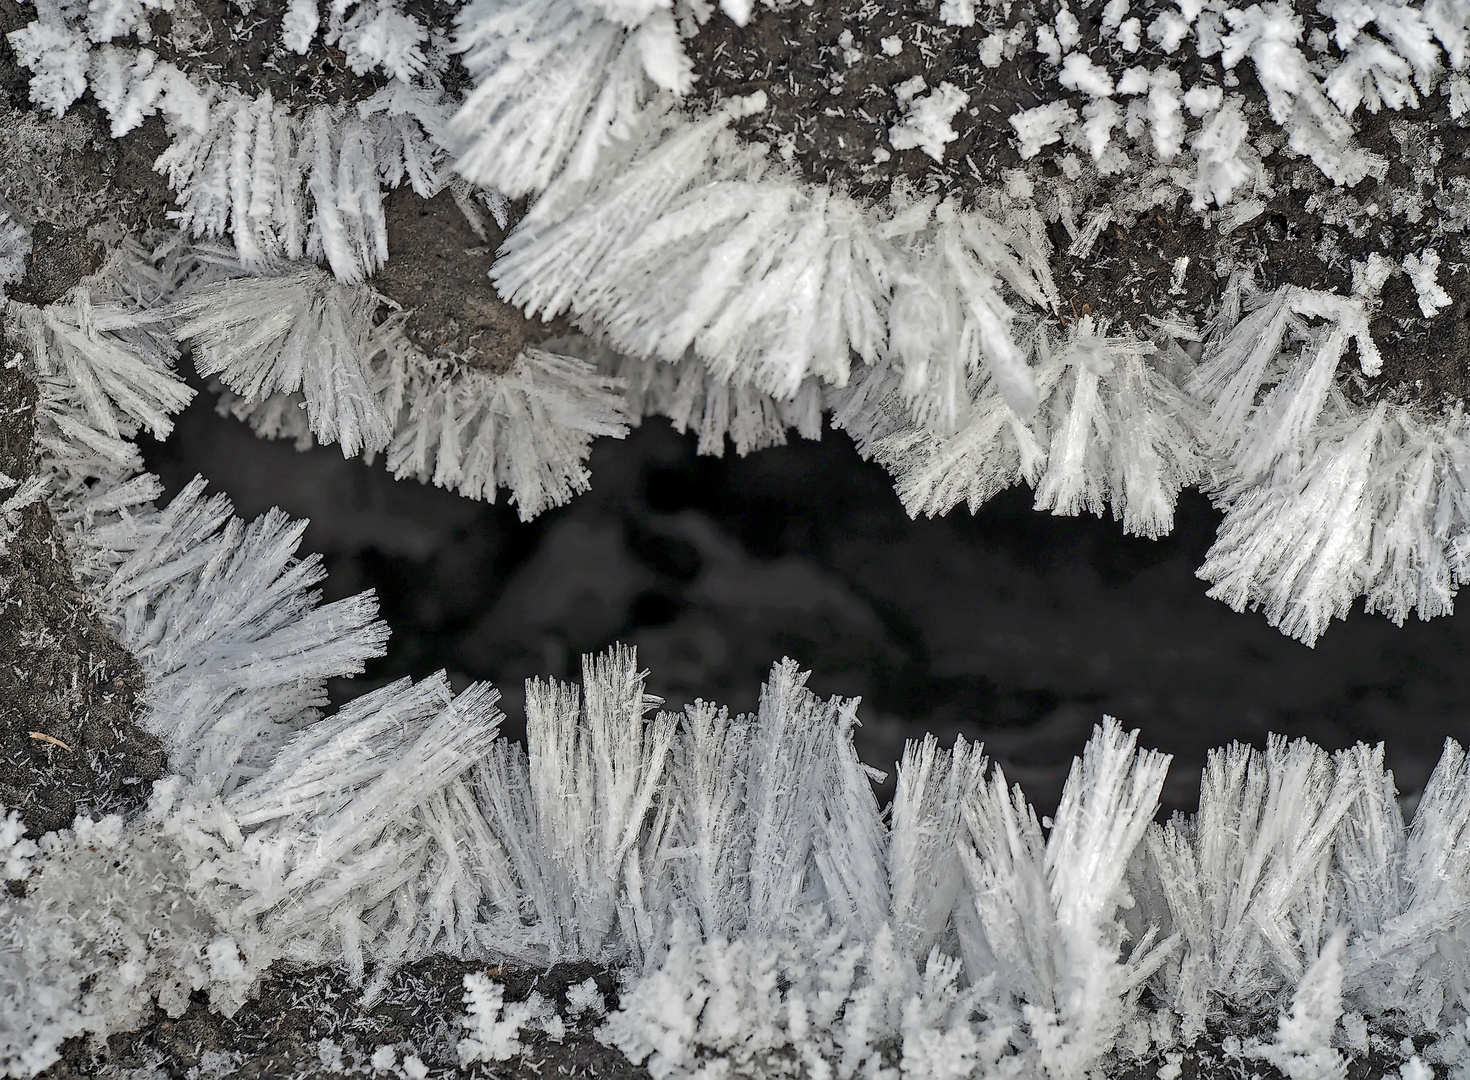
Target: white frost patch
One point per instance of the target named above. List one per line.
(927, 123)
(1129, 33)
(1042, 126)
(16, 852)
(298, 28)
(1080, 73)
(957, 12)
(1423, 270)
(494, 1027)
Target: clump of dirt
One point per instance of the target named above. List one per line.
(59, 259)
(281, 1032)
(439, 272)
(69, 693)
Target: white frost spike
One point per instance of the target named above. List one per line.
(690, 396)
(791, 745)
(298, 28)
(1247, 357)
(991, 450)
(1244, 879)
(1285, 419)
(362, 875)
(1419, 498)
(1423, 270)
(298, 330)
(1165, 113)
(554, 82)
(348, 229)
(1076, 475)
(1404, 961)
(850, 841)
(1303, 1045)
(1123, 433)
(545, 259)
(711, 767)
(1048, 908)
(1155, 451)
(595, 771)
(529, 429)
(1106, 807)
(114, 355)
(224, 619)
(925, 878)
(948, 317)
(768, 284)
(1236, 366)
(1296, 543)
(303, 186)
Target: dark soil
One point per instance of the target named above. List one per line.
(280, 1033)
(58, 260)
(239, 45)
(439, 271)
(831, 115)
(69, 693)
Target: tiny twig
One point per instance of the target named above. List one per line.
(50, 739)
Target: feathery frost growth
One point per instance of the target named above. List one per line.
(529, 429)
(298, 331)
(288, 185)
(766, 911)
(557, 81)
(1325, 501)
(308, 357)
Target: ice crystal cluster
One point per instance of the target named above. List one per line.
(769, 917)
(714, 284)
